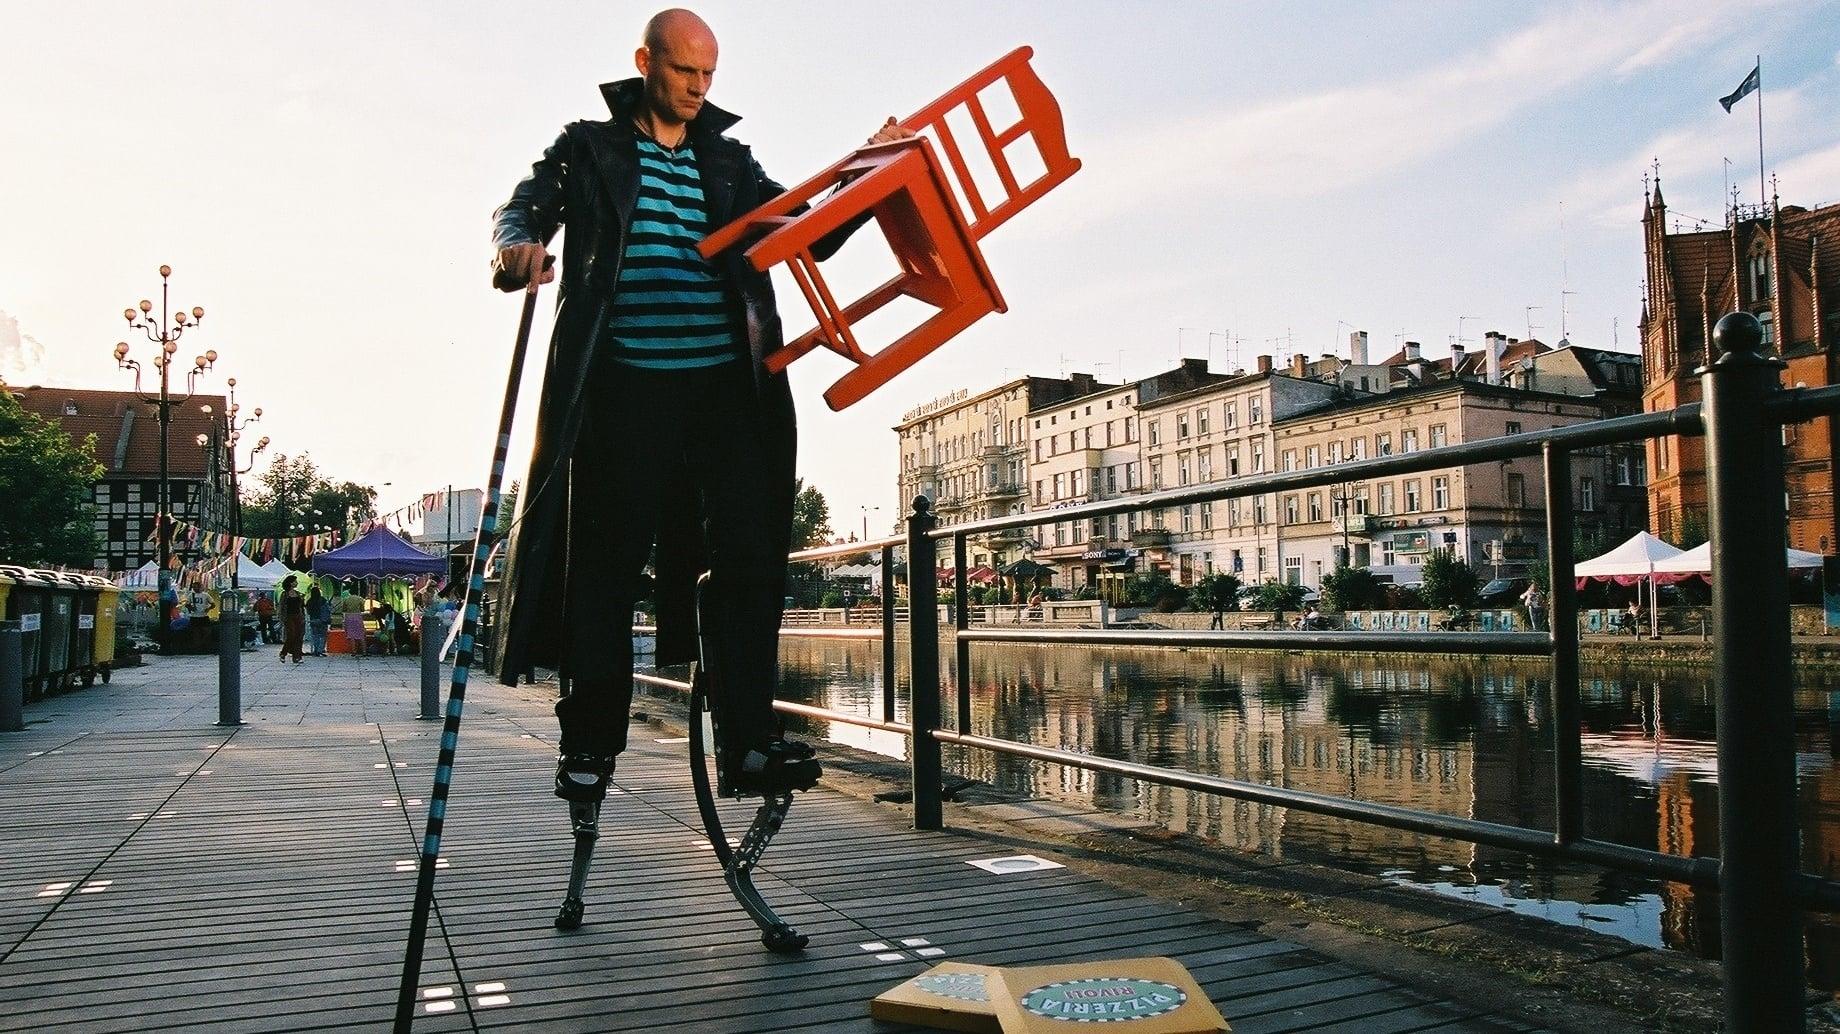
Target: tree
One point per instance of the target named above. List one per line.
(1215, 592)
(811, 517)
(1274, 595)
(46, 478)
(1353, 588)
(1449, 582)
(293, 492)
(1154, 589)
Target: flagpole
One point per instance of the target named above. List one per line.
(1763, 198)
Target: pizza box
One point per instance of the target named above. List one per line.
(950, 996)
(1141, 996)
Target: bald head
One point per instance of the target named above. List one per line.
(678, 62)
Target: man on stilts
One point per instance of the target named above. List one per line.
(657, 424)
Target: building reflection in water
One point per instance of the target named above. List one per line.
(1462, 737)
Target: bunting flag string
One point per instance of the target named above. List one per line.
(292, 548)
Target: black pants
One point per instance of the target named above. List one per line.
(648, 427)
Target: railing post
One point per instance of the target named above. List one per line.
(1562, 613)
(229, 660)
(961, 652)
(923, 664)
(432, 634)
(1759, 847)
(888, 656)
(12, 679)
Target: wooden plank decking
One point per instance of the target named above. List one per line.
(157, 873)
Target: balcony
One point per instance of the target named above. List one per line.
(999, 452)
(1150, 538)
(1004, 490)
(950, 504)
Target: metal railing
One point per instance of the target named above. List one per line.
(1758, 874)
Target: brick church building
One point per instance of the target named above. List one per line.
(1782, 264)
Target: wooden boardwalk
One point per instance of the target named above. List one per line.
(157, 873)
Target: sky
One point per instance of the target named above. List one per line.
(1256, 178)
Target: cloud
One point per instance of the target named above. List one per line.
(21, 354)
(1305, 145)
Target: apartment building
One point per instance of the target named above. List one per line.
(1492, 515)
(1219, 431)
(968, 453)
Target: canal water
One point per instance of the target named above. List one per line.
(1468, 737)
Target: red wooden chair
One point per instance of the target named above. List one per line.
(906, 188)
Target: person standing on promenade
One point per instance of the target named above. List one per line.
(654, 344)
(293, 619)
(319, 621)
(265, 616)
(1535, 602)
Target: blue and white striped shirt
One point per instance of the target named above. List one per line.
(669, 311)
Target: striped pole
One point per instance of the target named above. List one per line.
(456, 694)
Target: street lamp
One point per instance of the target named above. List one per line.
(865, 520)
(165, 332)
(233, 433)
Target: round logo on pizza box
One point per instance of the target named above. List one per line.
(1104, 1000)
(966, 987)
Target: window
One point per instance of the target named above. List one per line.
(1312, 457)
(1261, 571)
(1233, 461)
(1517, 490)
(1108, 434)
(1293, 570)
(1238, 561)
(1205, 463)
(1133, 476)
(1587, 494)
(1087, 437)
(1383, 445)
(1201, 420)
(1335, 453)
(1290, 509)
(1077, 480)
(1440, 493)
(1233, 513)
(1130, 429)
(1261, 515)
(1188, 518)
(1357, 448)
(1760, 276)
(1315, 507)
(1156, 473)
(1060, 486)
(1408, 440)
(1182, 425)
(1439, 438)
(1258, 457)
(70, 408)
(1290, 459)
(1514, 427)
(1412, 495)
(1039, 499)
(1207, 516)
(1229, 414)
(1360, 500)
(1156, 432)
(1255, 410)
(1661, 454)
(1111, 480)
(1182, 478)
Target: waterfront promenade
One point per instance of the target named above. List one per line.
(159, 873)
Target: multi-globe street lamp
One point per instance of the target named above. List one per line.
(165, 332)
(234, 424)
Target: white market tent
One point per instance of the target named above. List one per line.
(1632, 563)
(252, 576)
(1698, 560)
(146, 576)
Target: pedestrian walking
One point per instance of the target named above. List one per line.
(265, 617)
(1535, 602)
(293, 619)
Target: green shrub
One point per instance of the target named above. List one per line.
(1275, 595)
(1449, 582)
(1215, 591)
(1352, 588)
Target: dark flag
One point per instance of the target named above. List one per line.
(1744, 89)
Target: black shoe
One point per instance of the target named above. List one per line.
(582, 777)
(776, 767)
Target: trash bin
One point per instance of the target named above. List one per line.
(60, 636)
(25, 603)
(102, 653)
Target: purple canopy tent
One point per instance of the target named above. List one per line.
(380, 552)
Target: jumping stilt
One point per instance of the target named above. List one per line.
(585, 820)
(737, 862)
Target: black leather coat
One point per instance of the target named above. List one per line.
(586, 184)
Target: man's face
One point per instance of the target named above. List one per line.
(677, 75)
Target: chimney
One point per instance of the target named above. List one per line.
(1357, 348)
(1085, 384)
(1300, 366)
(1456, 358)
(1413, 352)
(1264, 364)
(1495, 344)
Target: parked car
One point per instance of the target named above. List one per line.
(1503, 592)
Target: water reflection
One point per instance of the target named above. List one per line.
(1462, 737)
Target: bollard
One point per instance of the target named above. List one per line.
(12, 685)
(1760, 921)
(229, 661)
(432, 634)
(923, 667)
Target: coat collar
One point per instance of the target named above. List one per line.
(623, 96)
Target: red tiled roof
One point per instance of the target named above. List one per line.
(104, 414)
